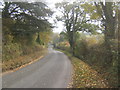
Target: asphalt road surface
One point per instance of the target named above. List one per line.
(52, 71)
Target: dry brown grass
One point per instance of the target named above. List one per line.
(84, 76)
(22, 61)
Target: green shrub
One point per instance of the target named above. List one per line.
(81, 49)
(11, 51)
(64, 46)
(92, 50)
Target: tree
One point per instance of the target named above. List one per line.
(28, 18)
(71, 14)
(63, 36)
(25, 13)
(55, 39)
(107, 13)
(75, 19)
(109, 17)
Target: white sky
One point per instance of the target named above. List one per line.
(59, 25)
(51, 4)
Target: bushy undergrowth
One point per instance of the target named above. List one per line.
(83, 75)
(11, 51)
(14, 50)
(12, 64)
(64, 46)
(17, 51)
(15, 55)
(92, 50)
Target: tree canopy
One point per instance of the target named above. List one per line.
(75, 19)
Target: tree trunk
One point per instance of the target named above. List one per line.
(109, 36)
(71, 41)
(109, 33)
(119, 45)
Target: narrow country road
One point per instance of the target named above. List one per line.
(52, 71)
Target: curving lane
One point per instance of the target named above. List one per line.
(52, 71)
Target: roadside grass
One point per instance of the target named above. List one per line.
(83, 75)
(22, 61)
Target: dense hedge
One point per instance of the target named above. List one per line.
(92, 51)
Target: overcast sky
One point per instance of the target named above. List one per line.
(59, 25)
(51, 4)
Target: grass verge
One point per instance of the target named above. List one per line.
(83, 75)
(22, 61)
